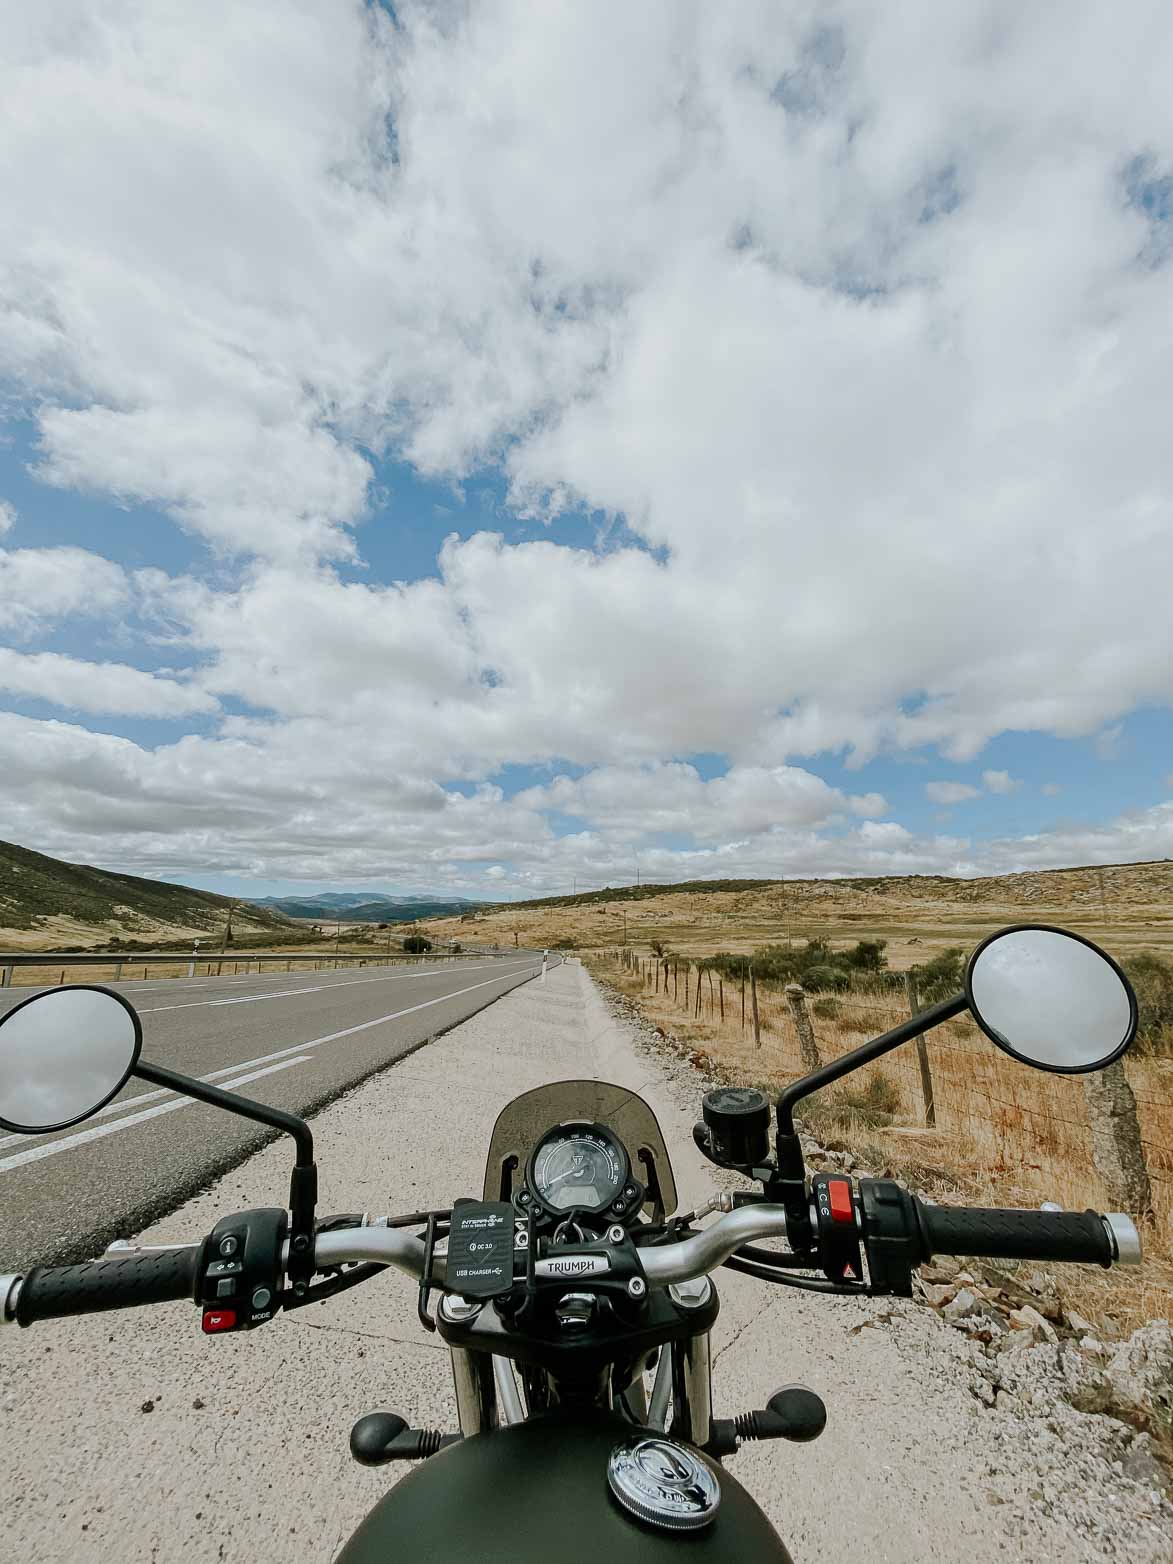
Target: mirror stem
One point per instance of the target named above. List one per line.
(788, 1186)
(276, 1118)
(303, 1181)
(838, 1068)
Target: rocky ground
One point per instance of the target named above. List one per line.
(1072, 1425)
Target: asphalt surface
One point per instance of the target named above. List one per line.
(293, 1040)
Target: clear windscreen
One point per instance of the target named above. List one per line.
(526, 1119)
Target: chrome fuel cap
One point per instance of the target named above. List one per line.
(663, 1483)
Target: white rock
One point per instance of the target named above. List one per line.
(1028, 1319)
(964, 1303)
(1140, 1372)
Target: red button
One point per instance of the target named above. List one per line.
(218, 1319)
(842, 1209)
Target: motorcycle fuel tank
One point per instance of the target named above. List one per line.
(538, 1493)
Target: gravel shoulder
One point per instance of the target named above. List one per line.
(132, 1437)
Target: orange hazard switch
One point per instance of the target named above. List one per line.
(839, 1192)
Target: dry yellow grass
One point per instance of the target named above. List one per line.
(1005, 1135)
(1127, 907)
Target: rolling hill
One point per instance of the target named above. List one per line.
(1128, 907)
(365, 907)
(46, 903)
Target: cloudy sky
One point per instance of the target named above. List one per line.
(483, 447)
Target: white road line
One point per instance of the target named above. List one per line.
(286, 993)
(83, 1137)
(50, 1148)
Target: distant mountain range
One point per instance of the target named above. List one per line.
(365, 907)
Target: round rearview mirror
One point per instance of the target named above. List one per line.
(1051, 999)
(63, 1054)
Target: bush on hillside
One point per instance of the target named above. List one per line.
(941, 977)
(416, 944)
(1152, 979)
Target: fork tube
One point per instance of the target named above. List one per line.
(476, 1396)
(692, 1391)
(508, 1395)
(661, 1390)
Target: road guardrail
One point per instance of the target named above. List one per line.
(212, 964)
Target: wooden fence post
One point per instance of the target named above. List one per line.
(1116, 1145)
(743, 1004)
(721, 988)
(757, 1025)
(922, 1051)
(807, 1047)
(686, 985)
(699, 991)
(675, 981)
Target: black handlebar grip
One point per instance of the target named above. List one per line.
(1078, 1236)
(122, 1282)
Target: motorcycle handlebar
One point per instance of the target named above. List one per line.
(663, 1264)
(163, 1274)
(1071, 1236)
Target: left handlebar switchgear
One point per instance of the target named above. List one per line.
(240, 1274)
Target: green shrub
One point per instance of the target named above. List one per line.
(868, 955)
(825, 978)
(416, 944)
(1152, 979)
(941, 977)
(825, 1008)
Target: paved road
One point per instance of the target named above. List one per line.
(293, 1040)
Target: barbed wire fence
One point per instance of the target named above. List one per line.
(1104, 1140)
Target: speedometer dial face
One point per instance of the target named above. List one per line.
(578, 1170)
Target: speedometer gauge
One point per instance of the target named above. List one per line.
(578, 1167)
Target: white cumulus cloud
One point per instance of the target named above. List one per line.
(98, 687)
(1000, 782)
(950, 792)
